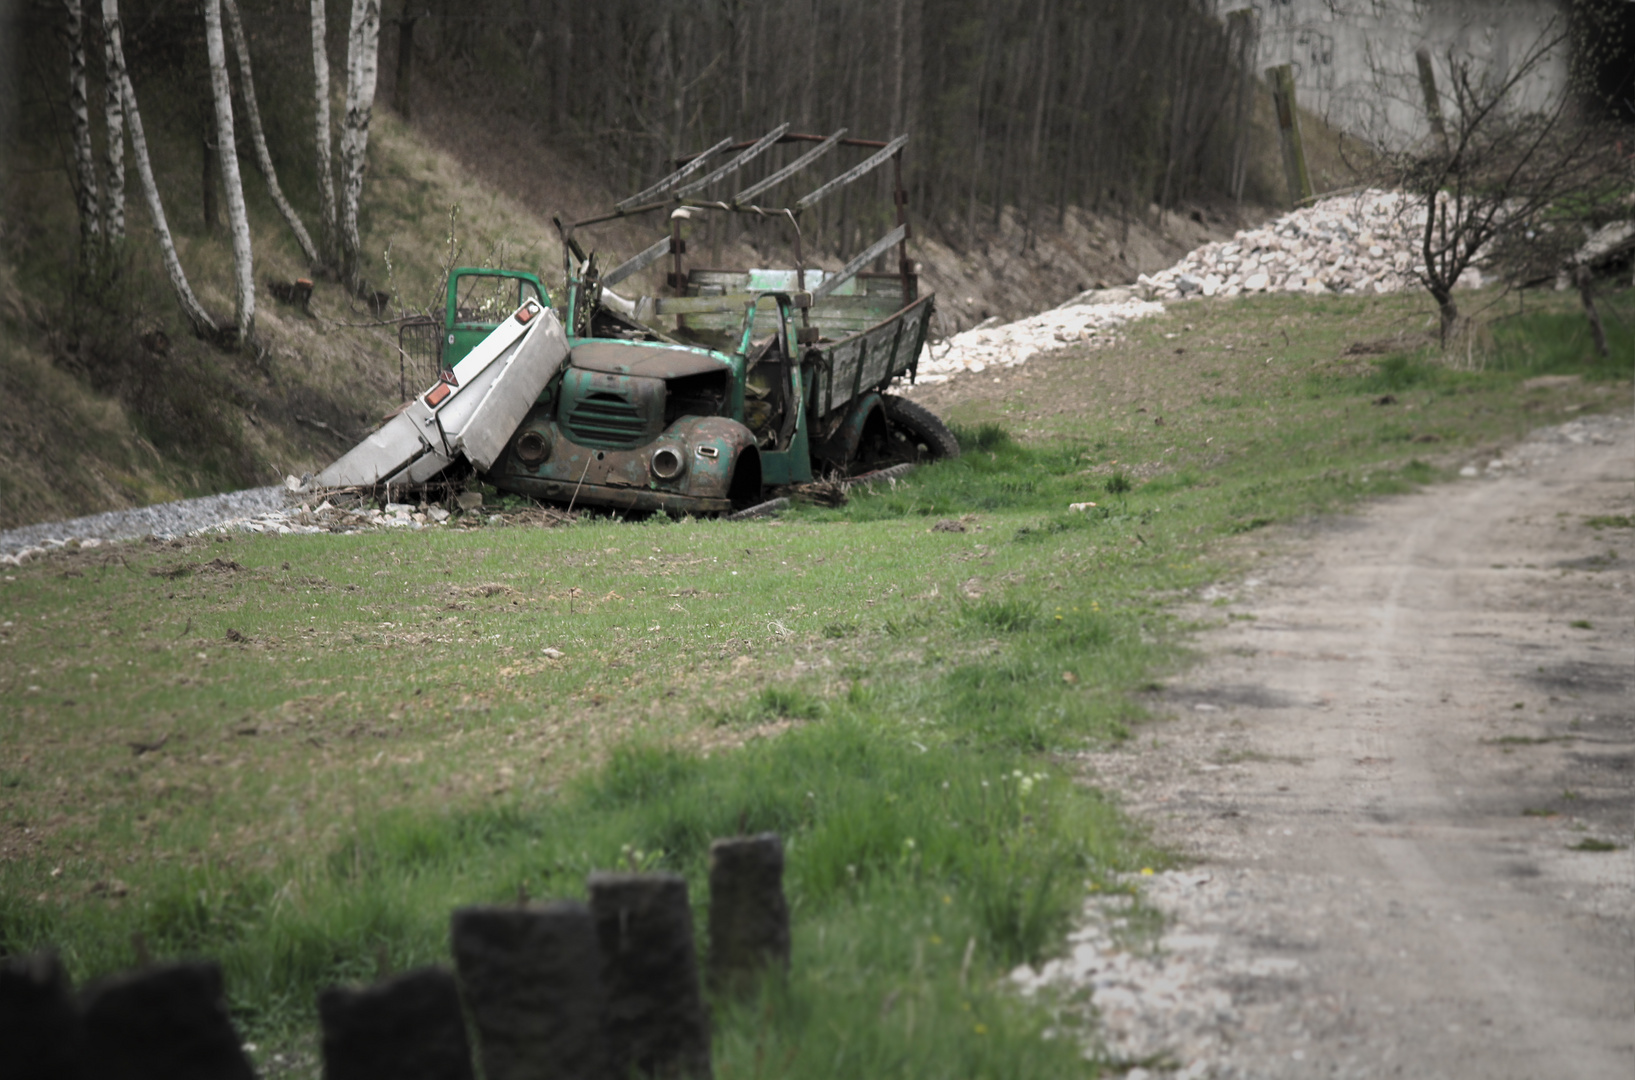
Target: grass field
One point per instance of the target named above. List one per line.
(297, 754)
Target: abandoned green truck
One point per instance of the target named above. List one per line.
(697, 402)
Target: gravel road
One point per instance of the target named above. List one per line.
(1411, 733)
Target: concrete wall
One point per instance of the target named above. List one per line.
(1354, 59)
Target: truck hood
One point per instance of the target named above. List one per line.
(648, 361)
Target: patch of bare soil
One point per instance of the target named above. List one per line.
(1405, 773)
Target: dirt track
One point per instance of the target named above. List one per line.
(1383, 767)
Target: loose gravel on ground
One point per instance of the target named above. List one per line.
(162, 520)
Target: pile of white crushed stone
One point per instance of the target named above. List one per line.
(1359, 243)
(1363, 242)
(1093, 318)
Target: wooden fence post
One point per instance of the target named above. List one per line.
(532, 977)
(39, 1028)
(657, 1024)
(406, 1028)
(163, 1022)
(749, 917)
(1281, 79)
(1433, 100)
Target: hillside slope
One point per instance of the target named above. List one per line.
(116, 404)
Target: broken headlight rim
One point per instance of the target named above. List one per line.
(667, 463)
(533, 448)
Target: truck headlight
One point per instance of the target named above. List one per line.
(532, 448)
(668, 463)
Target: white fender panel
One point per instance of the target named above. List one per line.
(497, 382)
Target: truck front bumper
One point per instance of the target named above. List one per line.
(689, 468)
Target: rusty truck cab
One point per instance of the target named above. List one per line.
(642, 421)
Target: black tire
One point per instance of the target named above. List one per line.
(917, 433)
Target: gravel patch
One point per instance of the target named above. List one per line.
(164, 520)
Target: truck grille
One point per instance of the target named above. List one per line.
(607, 418)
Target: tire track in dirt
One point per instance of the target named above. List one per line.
(1383, 768)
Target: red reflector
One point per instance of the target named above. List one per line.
(524, 314)
(436, 395)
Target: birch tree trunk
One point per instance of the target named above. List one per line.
(263, 159)
(202, 322)
(113, 114)
(363, 43)
(85, 167)
(238, 217)
(326, 171)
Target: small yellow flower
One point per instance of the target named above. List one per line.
(981, 1029)
(1146, 871)
(948, 899)
(935, 940)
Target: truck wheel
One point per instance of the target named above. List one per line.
(917, 433)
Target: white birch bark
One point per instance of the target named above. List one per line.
(252, 113)
(363, 43)
(320, 90)
(238, 217)
(201, 320)
(113, 114)
(85, 166)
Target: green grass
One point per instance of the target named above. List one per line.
(292, 753)
(1558, 342)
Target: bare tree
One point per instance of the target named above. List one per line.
(320, 93)
(363, 44)
(258, 139)
(201, 320)
(238, 217)
(85, 169)
(1503, 164)
(113, 114)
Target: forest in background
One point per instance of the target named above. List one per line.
(1032, 126)
(1037, 104)
(1109, 105)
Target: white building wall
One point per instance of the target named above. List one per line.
(1354, 59)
